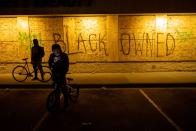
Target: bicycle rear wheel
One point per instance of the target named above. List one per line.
(20, 73)
(47, 73)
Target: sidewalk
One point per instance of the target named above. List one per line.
(115, 78)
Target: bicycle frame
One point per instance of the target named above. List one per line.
(27, 67)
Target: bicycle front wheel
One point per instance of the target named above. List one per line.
(20, 73)
(53, 102)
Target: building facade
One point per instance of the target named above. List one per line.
(104, 43)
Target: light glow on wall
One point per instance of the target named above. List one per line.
(90, 23)
(161, 23)
(23, 24)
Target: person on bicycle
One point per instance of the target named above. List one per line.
(37, 53)
(59, 65)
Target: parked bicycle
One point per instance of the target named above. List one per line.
(21, 72)
(58, 99)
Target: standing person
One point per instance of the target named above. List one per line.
(59, 64)
(37, 53)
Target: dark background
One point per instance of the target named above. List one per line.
(44, 3)
(96, 6)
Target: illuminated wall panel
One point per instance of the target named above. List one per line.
(8, 39)
(48, 30)
(87, 37)
(183, 29)
(105, 43)
(137, 35)
(157, 38)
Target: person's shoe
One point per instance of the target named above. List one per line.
(35, 78)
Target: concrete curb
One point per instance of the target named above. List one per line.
(127, 79)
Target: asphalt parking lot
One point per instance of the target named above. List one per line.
(104, 108)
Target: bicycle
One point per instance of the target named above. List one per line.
(59, 100)
(21, 72)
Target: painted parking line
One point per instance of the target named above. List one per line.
(42, 119)
(178, 128)
(39, 123)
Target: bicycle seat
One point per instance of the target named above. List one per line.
(70, 79)
(25, 59)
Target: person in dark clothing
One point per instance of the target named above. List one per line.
(37, 52)
(59, 64)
